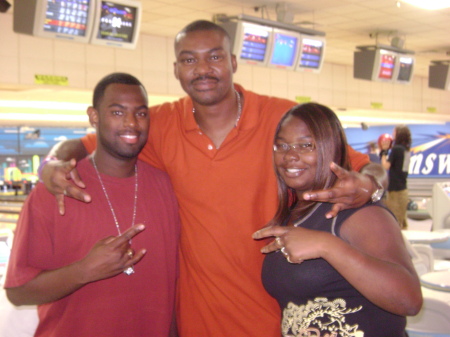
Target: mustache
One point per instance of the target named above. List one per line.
(205, 77)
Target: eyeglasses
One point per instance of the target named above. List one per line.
(298, 148)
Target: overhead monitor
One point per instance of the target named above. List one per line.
(59, 19)
(250, 42)
(439, 75)
(384, 66)
(117, 23)
(284, 49)
(404, 69)
(374, 64)
(312, 54)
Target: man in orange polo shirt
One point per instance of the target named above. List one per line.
(216, 146)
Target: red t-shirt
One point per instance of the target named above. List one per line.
(137, 305)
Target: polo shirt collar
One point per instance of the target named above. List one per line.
(248, 118)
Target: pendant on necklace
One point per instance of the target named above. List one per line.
(129, 270)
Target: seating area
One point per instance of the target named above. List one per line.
(428, 242)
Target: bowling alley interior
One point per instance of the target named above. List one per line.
(376, 64)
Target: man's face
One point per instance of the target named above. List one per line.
(205, 66)
(122, 120)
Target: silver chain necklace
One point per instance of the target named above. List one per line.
(238, 97)
(129, 270)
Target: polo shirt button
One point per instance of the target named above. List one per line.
(210, 147)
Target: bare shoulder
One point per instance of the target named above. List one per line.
(372, 228)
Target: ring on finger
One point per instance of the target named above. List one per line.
(128, 271)
(130, 253)
(285, 253)
(65, 192)
(278, 241)
(288, 259)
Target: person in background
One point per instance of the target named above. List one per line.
(215, 144)
(397, 165)
(372, 150)
(384, 144)
(346, 276)
(86, 270)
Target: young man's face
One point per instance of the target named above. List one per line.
(122, 120)
(205, 66)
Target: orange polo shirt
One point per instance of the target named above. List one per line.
(225, 195)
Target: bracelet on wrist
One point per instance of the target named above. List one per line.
(379, 189)
(42, 164)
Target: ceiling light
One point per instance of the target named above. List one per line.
(429, 4)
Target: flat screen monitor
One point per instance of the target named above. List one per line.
(117, 23)
(374, 64)
(404, 69)
(284, 49)
(58, 19)
(312, 52)
(385, 65)
(250, 42)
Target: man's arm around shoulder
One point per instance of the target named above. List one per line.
(60, 176)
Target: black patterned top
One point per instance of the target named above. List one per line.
(317, 301)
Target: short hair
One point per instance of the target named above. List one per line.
(403, 136)
(120, 78)
(200, 25)
(331, 146)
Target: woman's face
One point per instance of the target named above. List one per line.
(295, 156)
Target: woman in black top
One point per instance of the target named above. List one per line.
(346, 276)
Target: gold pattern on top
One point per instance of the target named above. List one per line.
(319, 318)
